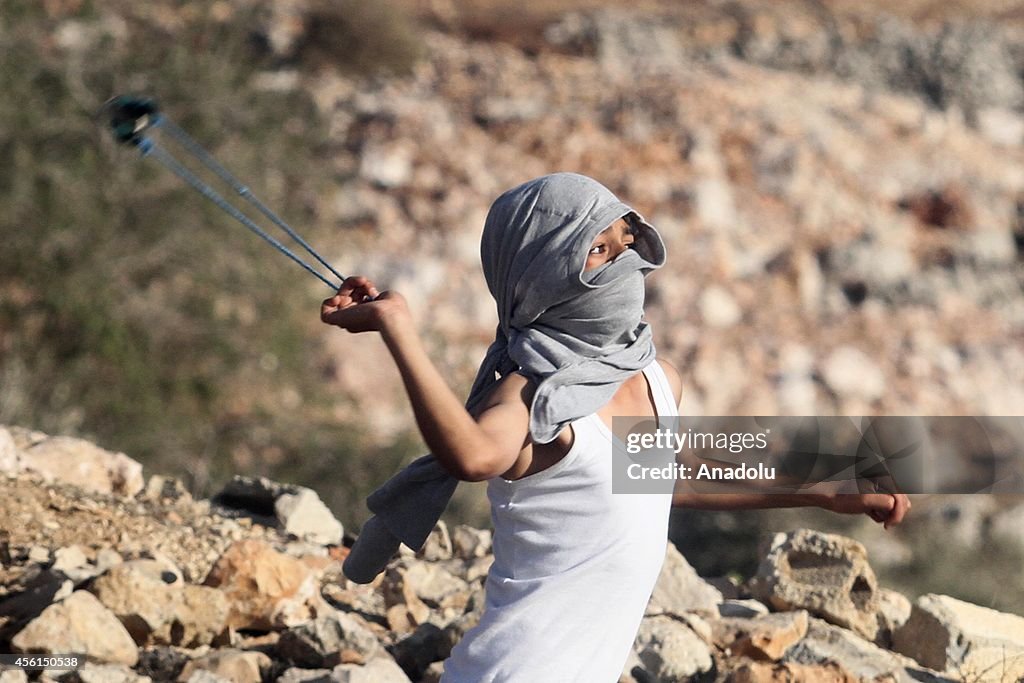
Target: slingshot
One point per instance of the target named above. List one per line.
(131, 118)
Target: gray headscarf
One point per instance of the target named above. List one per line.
(576, 335)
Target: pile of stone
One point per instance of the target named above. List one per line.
(273, 605)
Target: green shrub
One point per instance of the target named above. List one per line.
(132, 311)
(359, 36)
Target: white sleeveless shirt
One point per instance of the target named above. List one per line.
(574, 567)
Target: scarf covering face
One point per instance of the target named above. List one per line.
(576, 335)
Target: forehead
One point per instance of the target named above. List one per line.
(617, 225)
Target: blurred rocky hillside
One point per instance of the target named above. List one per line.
(147, 583)
(841, 205)
(839, 186)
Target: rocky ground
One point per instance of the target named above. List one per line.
(149, 584)
(842, 198)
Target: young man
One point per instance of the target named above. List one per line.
(574, 563)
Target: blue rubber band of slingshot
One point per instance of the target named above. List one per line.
(149, 148)
(193, 147)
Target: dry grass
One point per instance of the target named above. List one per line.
(360, 37)
(135, 314)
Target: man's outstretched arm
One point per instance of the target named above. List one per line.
(888, 509)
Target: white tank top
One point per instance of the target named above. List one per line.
(574, 567)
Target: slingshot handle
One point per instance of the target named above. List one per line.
(130, 117)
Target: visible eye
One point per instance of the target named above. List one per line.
(596, 249)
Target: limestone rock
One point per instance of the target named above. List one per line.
(893, 611)
(468, 570)
(742, 608)
(438, 545)
(399, 592)
(10, 461)
(680, 590)
(378, 670)
(388, 166)
(303, 514)
(83, 464)
(826, 574)
(199, 616)
(718, 308)
(79, 623)
(107, 558)
(765, 638)
(354, 203)
(39, 554)
(851, 373)
(328, 641)
(403, 618)
(698, 624)
(411, 588)
(157, 564)
(204, 676)
(433, 584)
(497, 110)
(266, 589)
(1006, 527)
(150, 601)
(142, 600)
(951, 635)
(300, 675)
(68, 559)
(426, 645)
(457, 628)
(104, 673)
(295, 509)
(160, 489)
(715, 203)
(162, 663)
(362, 598)
(669, 650)
(728, 586)
(236, 666)
(39, 592)
(826, 643)
(469, 543)
(790, 672)
(1001, 126)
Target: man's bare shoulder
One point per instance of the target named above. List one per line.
(513, 389)
(675, 379)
